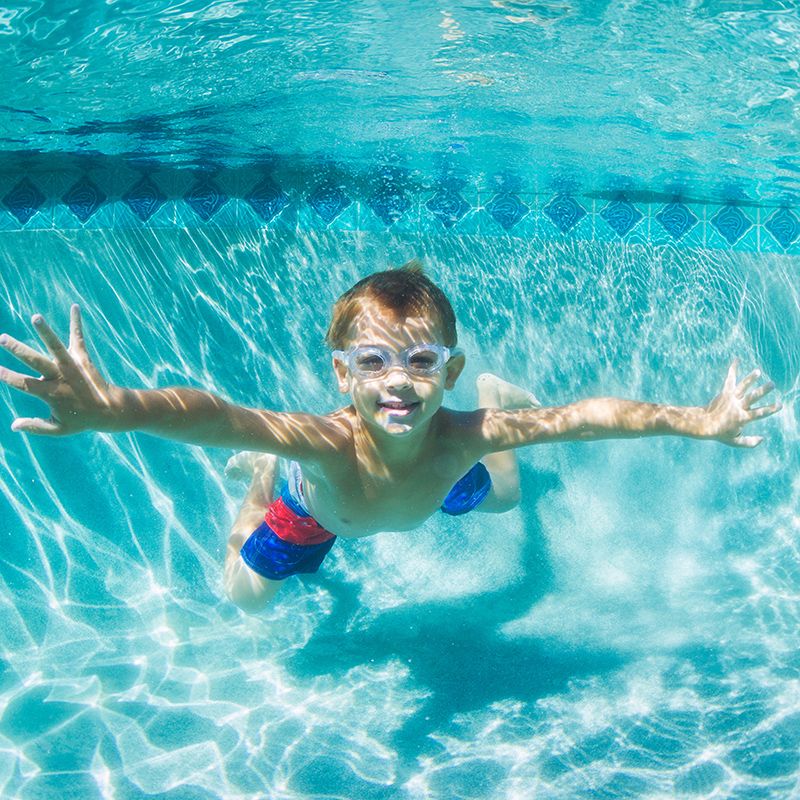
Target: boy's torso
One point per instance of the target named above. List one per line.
(354, 495)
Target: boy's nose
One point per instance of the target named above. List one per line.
(397, 376)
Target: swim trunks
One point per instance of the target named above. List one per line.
(290, 541)
(469, 492)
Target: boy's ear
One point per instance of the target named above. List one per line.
(455, 367)
(341, 376)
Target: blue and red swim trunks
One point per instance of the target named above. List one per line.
(290, 541)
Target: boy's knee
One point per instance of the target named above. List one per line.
(500, 502)
(250, 605)
(247, 600)
(246, 589)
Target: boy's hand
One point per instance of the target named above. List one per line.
(79, 397)
(732, 409)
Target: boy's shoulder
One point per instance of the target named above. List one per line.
(461, 429)
(459, 420)
(325, 433)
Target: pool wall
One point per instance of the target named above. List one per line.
(110, 193)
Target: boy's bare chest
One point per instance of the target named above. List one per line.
(357, 502)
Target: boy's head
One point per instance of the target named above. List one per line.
(381, 322)
(399, 293)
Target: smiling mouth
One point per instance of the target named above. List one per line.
(400, 409)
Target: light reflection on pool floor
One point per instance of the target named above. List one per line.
(631, 631)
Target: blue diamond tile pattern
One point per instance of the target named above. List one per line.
(267, 199)
(24, 200)
(389, 203)
(144, 199)
(506, 209)
(329, 201)
(784, 227)
(83, 199)
(448, 206)
(565, 212)
(677, 219)
(732, 223)
(205, 198)
(391, 195)
(621, 216)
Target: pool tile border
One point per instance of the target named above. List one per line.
(99, 198)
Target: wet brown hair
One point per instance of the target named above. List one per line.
(403, 292)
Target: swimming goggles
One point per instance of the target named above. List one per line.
(372, 362)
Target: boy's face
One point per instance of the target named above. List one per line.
(397, 401)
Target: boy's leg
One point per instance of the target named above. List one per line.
(244, 587)
(493, 392)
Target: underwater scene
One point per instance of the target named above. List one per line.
(608, 194)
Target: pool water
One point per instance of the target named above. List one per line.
(631, 630)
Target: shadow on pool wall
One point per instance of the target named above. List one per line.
(111, 607)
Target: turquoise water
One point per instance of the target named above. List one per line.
(630, 631)
(607, 192)
(696, 96)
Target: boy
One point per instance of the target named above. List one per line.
(387, 461)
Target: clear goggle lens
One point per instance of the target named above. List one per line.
(421, 359)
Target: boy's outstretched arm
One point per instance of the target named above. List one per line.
(610, 418)
(80, 399)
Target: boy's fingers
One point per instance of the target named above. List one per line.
(29, 356)
(758, 393)
(748, 381)
(747, 441)
(730, 378)
(53, 344)
(765, 411)
(42, 427)
(76, 339)
(25, 383)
